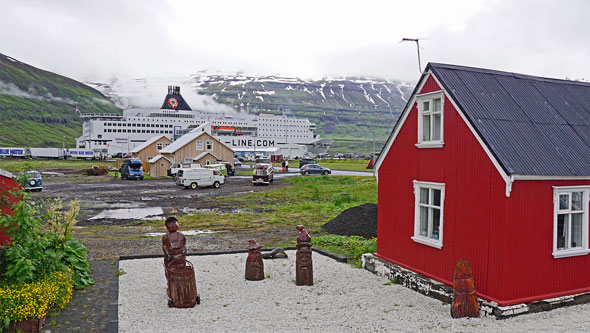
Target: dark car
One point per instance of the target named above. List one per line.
(32, 181)
(131, 169)
(314, 169)
(305, 161)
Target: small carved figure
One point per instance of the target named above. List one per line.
(173, 244)
(254, 264)
(303, 236)
(278, 252)
(464, 297)
(303, 260)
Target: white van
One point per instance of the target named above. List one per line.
(193, 178)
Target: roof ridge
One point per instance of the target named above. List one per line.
(505, 73)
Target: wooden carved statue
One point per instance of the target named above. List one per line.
(464, 298)
(173, 244)
(303, 262)
(180, 273)
(254, 264)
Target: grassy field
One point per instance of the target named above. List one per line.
(311, 201)
(346, 165)
(19, 165)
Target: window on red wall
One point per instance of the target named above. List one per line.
(430, 120)
(428, 213)
(570, 221)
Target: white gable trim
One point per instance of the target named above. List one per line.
(507, 179)
(399, 124)
(549, 177)
(6, 174)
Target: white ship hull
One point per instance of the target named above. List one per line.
(113, 134)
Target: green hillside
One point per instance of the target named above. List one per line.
(37, 107)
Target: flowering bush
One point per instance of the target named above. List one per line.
(43, 262)
(33, 300)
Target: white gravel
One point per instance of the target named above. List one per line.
(342, 299)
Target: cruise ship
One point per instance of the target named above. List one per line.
(244, 133)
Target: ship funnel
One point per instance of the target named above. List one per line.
(174, 100)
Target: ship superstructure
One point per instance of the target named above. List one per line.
(242, 132)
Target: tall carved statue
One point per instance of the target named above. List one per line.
(254, 264)
(303, 262)
(464, 298)
(180, 273)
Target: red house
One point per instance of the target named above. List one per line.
(493, 167)
(7, 183)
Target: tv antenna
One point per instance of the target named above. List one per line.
(417, 40)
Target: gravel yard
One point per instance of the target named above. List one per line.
(342, 299)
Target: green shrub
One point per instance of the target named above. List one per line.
(38, 249)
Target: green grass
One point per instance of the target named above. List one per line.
(348, 165)
(19, 165)
(311, 201)
(351, 247)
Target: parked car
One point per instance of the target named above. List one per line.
(32, 181)
(131, 169)
(314, 169)
(217, 166)
(263, 159)
(305, 161)
(173, 169)
(237, 162)
(263, 174)
(193, 178)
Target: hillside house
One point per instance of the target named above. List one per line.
(493, 167)
(150, 149)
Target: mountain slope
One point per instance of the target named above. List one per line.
(37, 107)
(351, 111)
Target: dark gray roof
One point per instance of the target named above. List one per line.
(532, 125)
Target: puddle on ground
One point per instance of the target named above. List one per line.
(243, 192)
(187, 210)
(130, 213)
(53, 174)
(96, 204)
(186, 233)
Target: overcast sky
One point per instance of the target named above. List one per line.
(98, 40)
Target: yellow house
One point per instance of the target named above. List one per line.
(198, 146)
(159, 166)
(150, 149)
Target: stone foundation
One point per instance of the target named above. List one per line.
(442, 292)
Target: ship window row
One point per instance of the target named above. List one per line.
(137, 125)
(136, 131)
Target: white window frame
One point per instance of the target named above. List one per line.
(430, 97)
(199, 145)
(159, 145)
(417, 237)
(209, 144)
(580, 250)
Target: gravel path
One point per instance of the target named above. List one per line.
(342, 299)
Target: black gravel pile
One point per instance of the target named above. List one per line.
(356, 221)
